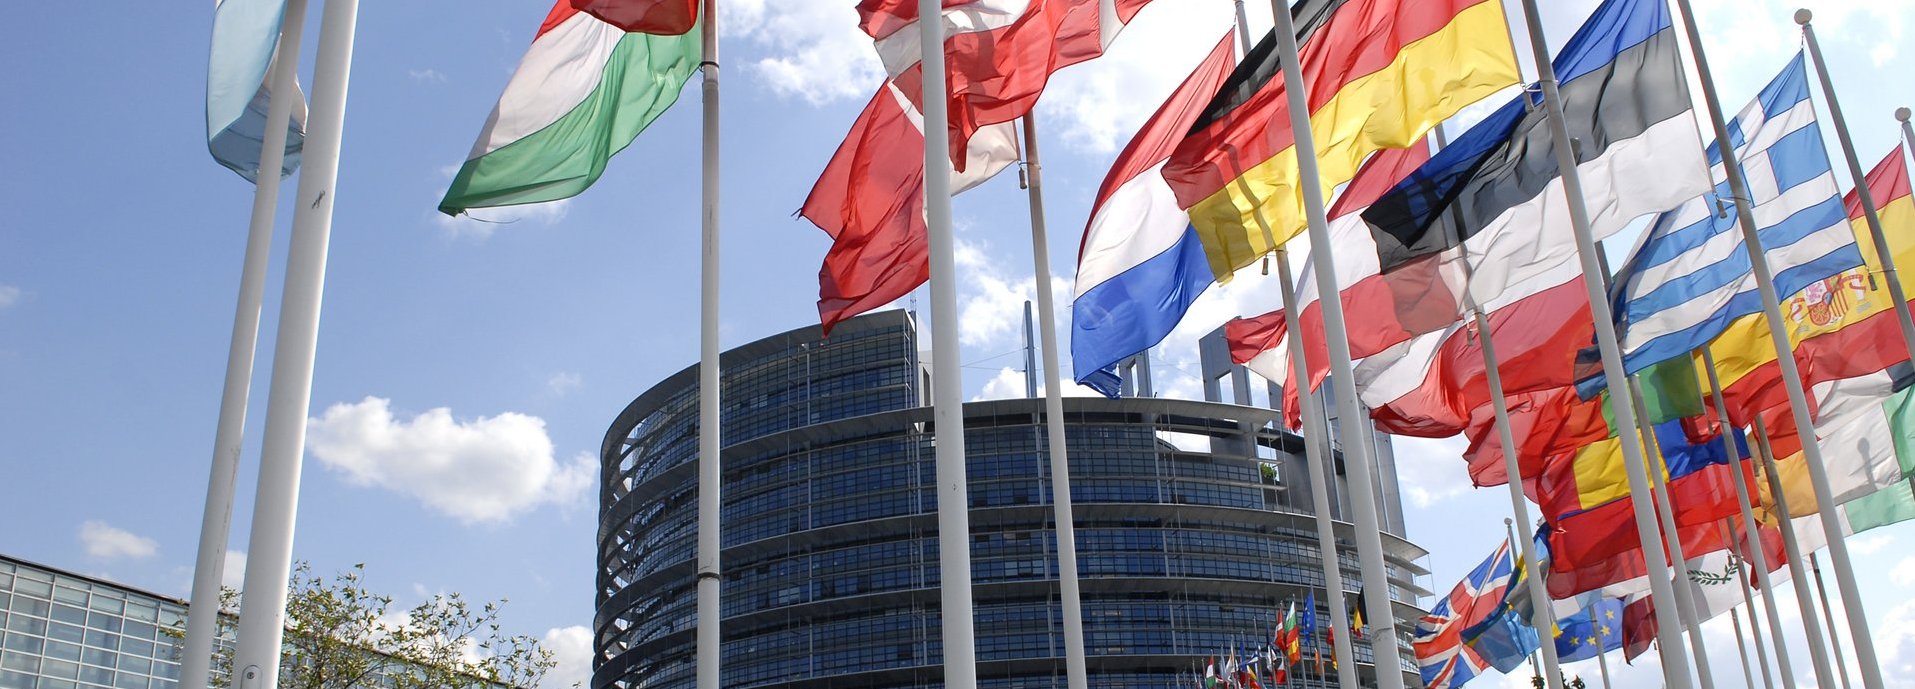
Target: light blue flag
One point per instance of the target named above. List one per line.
(245, 36)
(1690, 275)
(1592, 632)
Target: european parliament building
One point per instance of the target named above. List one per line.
(1194, 528)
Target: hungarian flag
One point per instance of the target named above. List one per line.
(998, 54)
(663, 17)
(1379, 74)
(583, 92)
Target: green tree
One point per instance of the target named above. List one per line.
(340, 635)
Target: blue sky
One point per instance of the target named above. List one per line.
(493, 355)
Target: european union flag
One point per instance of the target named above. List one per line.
(1595, 630)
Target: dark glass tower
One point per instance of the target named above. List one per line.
(1194, 528)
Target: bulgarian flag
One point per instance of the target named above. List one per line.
(583, 92)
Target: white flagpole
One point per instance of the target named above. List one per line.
(1811, 626)
(1356, 445)
(275, 510)
(947, 378)
(216, 522)
(1316, 454)
(1749, 525)
(711, 478)
(1542, 616)
(1602, 662)
(1675, 659)
(1686, 610)
(1748, 598)
(1074, 670)
(1828, 615)
(1791, 376)
(1742, 648)
(1869, 209)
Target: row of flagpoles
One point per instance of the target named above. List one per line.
(517, 161)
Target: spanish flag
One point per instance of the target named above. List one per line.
(1842, 327)
(1380, 74)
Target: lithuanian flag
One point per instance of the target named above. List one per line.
(1842, 327)
(1380, 74)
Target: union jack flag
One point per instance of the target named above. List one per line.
(1446, 652)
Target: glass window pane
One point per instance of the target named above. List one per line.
(69, 595)
(95, 656)
(136, 647)
(137, 664)
(68, 613)
(29, 625)
(65, 632)
(51, 683)
(20, 661)
(127, 681)
(143, 611)
(15, 680)
(109, 623)
(138, 630)
(63, 650)
(102, 639)
(59, 668)
(43, 589)
(23, 643)
(96, 675)
(105, 604)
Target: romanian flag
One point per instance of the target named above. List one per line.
(1379, 74)
(1842, 327)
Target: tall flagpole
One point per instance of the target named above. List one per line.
(269, 553)
(1542, 616)
(1074, 671)
(1748, 597)
(1828, 615)
(947, 379)
(1753, 530)
(216, 522)
(710, 465)
(1742, 648)
(1356, 445)
(1316, 453)
(1811, 626)
(1869, 209)
(1686, 609)
(1602, 664)
(1675, 659)
(1791, 376)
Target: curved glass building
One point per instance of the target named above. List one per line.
(1194, 531)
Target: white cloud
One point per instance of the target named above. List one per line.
(9, 295)
(108, 542)
(486, 469)
(1431, 470)
(233, 575)
(1870, 545)
(572, 648)
(479, 223)
(562, 382)
(426, 75)
(812, 50)
(1009, 384)
(1904, 573)
(991, 303)
(1895, 644)
(1099, 104)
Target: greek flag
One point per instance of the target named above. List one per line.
(1690, 274)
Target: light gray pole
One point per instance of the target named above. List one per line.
(711, 479)
(1602, 664)
(1316, 452)
(1358, 462)
(947, 377)
(1828, 615)
(1542, 616)
(1812, 627)
(1745, 505)
(1075, 676)
(1791, 375)
(1675, 659)
(216, 522)
(1870, 211)
(1748, 598)
(1686, 609)
(269, 553)
(1742, 648)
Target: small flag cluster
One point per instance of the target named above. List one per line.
(1271, 664)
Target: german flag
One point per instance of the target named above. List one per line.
(1380, 74)
(1842, 327)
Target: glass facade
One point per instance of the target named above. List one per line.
(68, 632)
(1188, 541)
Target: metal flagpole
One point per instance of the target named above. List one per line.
(1602, 663)
(1542, 616)
(1074, 670)
(1791, 376)
(276, 503)
(1742, 648)
(1316, 452)
(1811, 626)
(1828, 615)
(1686, 609)
(1356, 446)
(216, 523)
(1748, 599)
(710, 426)
(1675, 659)
(947, 379)
(1749, 525)
(1869, 209)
